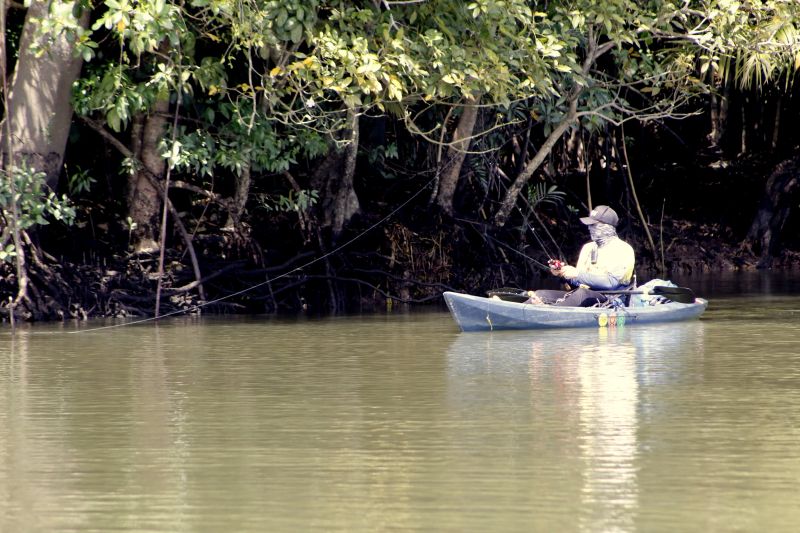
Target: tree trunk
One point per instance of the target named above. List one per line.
(510, 199)
(39, 100)
(763, 239)
(8, 167)
(334, 179)
(456, 154)
(143, 198)
(724, 108)
(719, 107)
(346, 204)
(239, 198)
(776, 128)
(715, 135)
(576, 153)
(743, 137)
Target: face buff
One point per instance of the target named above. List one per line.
(602, 233)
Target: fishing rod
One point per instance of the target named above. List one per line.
(526, 256)
(536, 236)
(554, 259)
(557, 258)
(551, 263)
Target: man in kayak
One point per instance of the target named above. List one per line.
(604, 264)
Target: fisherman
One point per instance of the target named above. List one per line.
(605, 264)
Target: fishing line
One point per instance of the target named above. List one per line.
(526, 256)
(541, 242)
(261, 284)
(546, 250)
(501, 243)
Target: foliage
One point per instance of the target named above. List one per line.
(541, 193)
(303, 64)
(79, 182)
(8, 253)
(269, 85)
(762, 42)
(34, 203)
(298, 202)
(237, 139)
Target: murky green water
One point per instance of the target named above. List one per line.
(400, 422)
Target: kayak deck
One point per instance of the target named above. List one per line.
(475, 313)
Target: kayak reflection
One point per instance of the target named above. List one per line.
(582, 397)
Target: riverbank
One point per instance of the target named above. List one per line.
(699, 214)
(392, 264)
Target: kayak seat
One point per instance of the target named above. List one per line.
(625, 299)
(614, 302)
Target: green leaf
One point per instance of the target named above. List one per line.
(282, 17)
(297, 34)
(113, 120)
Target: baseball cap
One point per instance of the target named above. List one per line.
(601, 213)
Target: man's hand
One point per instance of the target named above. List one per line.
(567, 272)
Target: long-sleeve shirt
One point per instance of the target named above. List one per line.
(612, 268)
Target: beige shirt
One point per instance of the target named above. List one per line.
(611, 269)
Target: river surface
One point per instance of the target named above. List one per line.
(399, 422)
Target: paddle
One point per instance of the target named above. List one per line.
(682, 295)
(510, 294)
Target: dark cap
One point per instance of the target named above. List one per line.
(601, 213)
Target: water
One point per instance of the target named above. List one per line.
(400, 422)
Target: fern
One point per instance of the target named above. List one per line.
(540, 193)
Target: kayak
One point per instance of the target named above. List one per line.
(475, 313)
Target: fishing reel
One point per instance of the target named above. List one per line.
(555, 264)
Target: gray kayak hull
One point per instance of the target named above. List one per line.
(475, 313)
